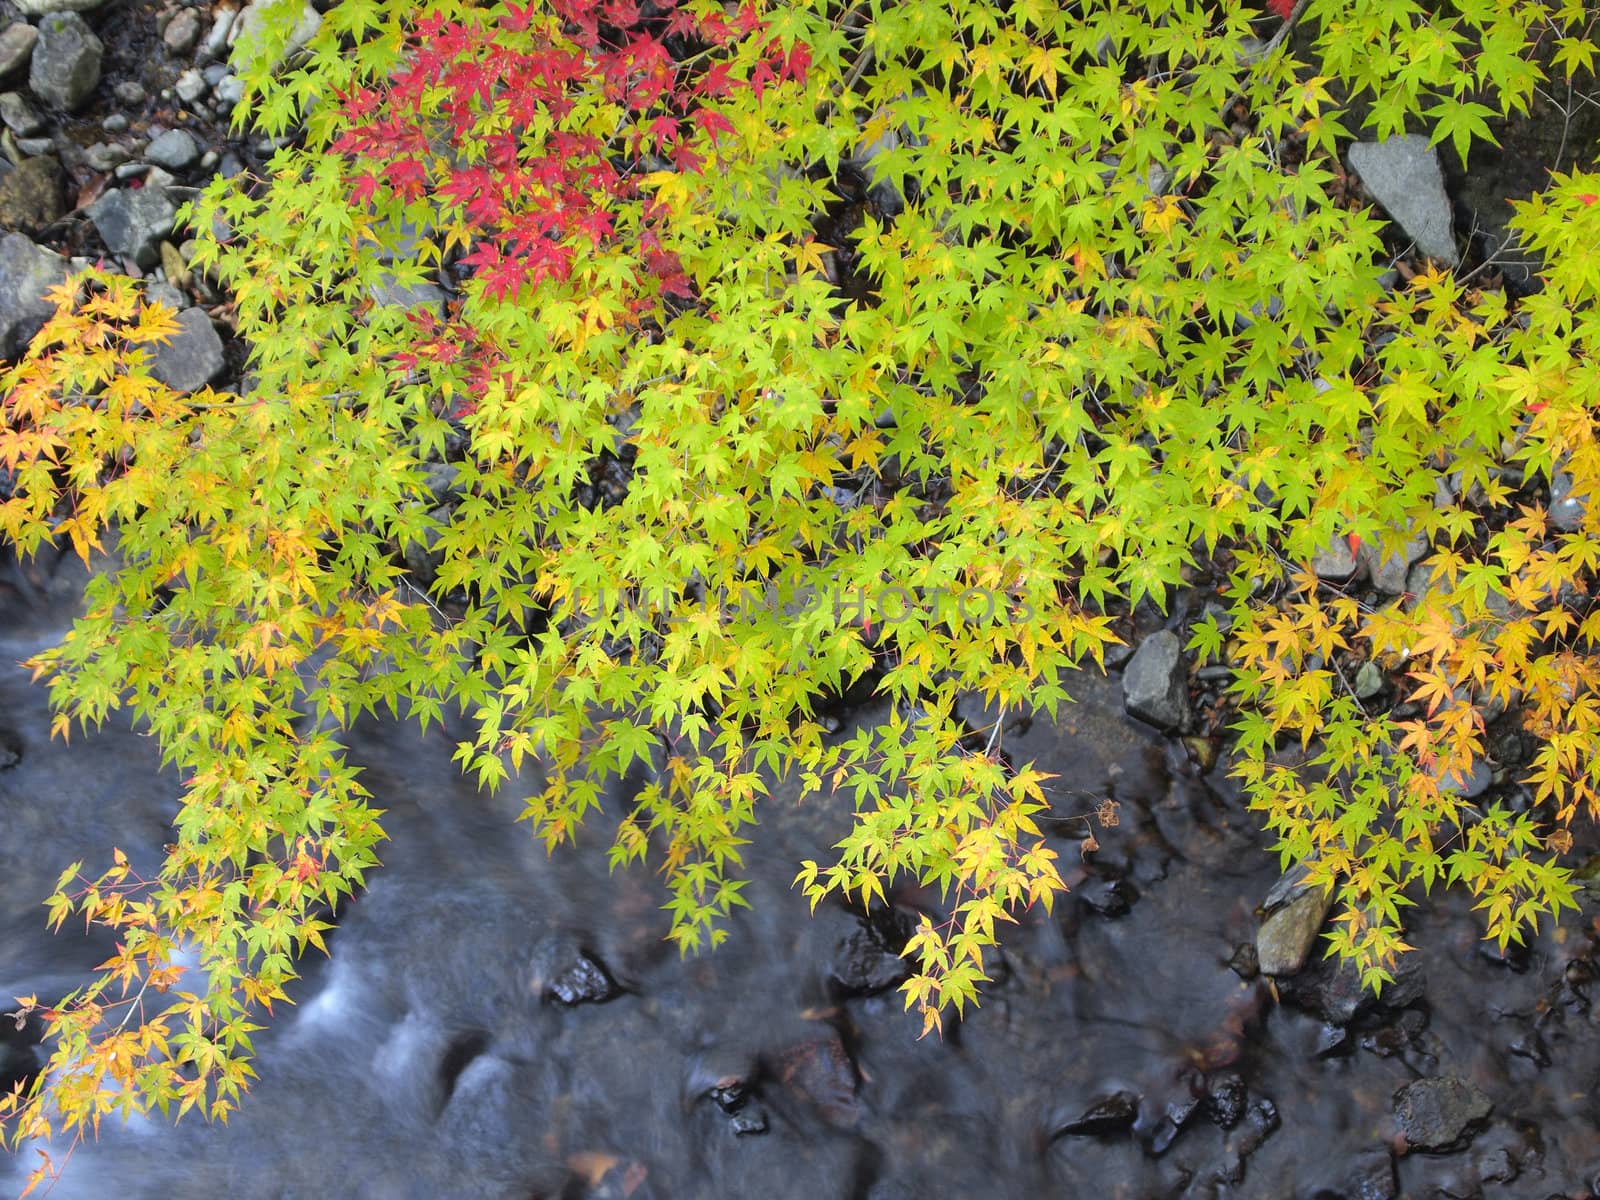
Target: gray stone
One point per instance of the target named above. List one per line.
(33, 147)
(1155, 683)
(16, 48)
(26, 273)
(193, 358)
(1403, 175)
(1389, 575)
(1440, 1115)
(1477, 782)
(174, 149)
(30, 196)
(182, 31)
(191, 86)
(247, 30)
(1285, 938)
(1369, 681)
(1335, 560)
(129, 92)
(388, 293)
(116, 123)
(20, 116)
(133, 223)
(217, 40)
(165, 293)
(66, 62)
(230, 90)
(1566, 510)
(105, 156)
(38, 8)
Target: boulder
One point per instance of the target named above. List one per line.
(1403, 175)
(30, 195)
(26, 273)
(1155, 684)
(193, 358)
(66, 62)
(133, 223)
(1440, 1115)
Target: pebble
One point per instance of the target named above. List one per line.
(115, 123)
(20, 116)
(16, 48)
(130, 170)
(191, 86)
(217, 40)
(105, 156)
(174, 149)
(230, 90)
(35, 146)
(182, 31)
(129, 92)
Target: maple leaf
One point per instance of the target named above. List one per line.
(1282, 9)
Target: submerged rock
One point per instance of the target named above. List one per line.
(1285, 938)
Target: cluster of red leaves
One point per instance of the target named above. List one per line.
(529, 204)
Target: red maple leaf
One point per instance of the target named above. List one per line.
(1280, 8)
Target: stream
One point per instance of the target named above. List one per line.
(495, 1023)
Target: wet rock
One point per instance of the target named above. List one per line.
(1260, 1123)
(175, 149)
(1155, 684)
(1440, 1115)
(1226, 1100)
(1331, 1041)
(1285, 938)
(1403, 175)
(868, 960)
(30, 195)
(16, 49)
(564, 973)
(584, 982)
(1372, 1178)
(26, 273)
(1107, 1115)
(133, 223)
(193, 358)
(1108, 897)
(748, 1122)
(1244, 962)
(1174, 1117)
(19, 116)
(1333, 990)
(10, 749)
(66, 62)
(182, 31)
(247, 27)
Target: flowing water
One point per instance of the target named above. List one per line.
(495, 1023)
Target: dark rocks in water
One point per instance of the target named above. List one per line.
(1226, 1099)
(10, 749)
(1284, 941)
(822, 1073)
(1109, 1114)
(1260, 1122)
(1244, 962)
(1372, 1178)
(1333, 990)
(1440, 1115)
(1332, 1040)
(1175, 1116)
(1108, 897)
(565, 974)
(868, 959)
